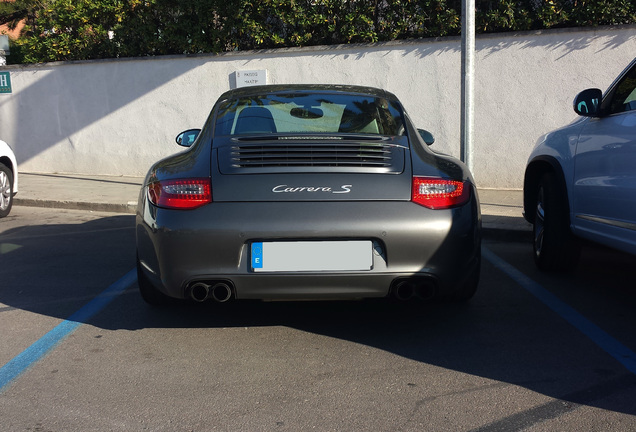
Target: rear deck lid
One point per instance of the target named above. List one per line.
(312, 168)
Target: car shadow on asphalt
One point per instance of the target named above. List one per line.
(503, 334)
(53, 268)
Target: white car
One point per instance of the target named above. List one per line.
(580, 181)
(8, 178)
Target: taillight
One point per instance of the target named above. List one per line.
(180, 194)
(435, 193)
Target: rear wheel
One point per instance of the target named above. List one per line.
(6, 190)
(555, 248)
(149, 293)
(469, 287)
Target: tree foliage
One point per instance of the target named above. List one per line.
(90, 29)
(13, 12)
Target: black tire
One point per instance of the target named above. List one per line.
(149, 293)
(6, 190)
(469, 287)
(555, 248)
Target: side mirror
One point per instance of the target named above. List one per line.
(426, 136)
(588, 103)
(187, 138)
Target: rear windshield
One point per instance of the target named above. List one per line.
(309, 113)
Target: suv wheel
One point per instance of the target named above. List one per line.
(555, 248)
(6, 190)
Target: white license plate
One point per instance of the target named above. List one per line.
(312, 256)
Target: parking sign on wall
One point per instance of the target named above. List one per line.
(5, 82)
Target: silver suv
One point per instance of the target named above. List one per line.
(580, 180)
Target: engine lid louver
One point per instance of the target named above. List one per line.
(256, 157)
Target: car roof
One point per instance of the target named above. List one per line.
(309, 88)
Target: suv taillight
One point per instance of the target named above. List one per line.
(180, 194)
(435, 193)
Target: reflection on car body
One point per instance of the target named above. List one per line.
(307, 192)
(580, 181)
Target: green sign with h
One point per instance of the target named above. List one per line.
(5, 82)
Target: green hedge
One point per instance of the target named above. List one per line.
(90, 29)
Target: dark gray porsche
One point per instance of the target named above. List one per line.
(307, 192)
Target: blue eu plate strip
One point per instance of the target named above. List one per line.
(257, 255)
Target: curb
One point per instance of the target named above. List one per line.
(74, 205)
(507, 234)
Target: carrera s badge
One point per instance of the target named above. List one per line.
(291, 189)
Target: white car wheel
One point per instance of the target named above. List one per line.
(6, 190)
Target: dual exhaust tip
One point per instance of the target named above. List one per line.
(220, 292)
(417, 288)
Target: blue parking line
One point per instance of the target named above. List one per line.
(23, 361)
(607, 343)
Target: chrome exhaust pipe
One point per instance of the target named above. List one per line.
(221, 292)
(200, 292)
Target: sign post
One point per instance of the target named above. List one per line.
(468, 80)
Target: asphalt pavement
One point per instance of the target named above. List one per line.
(501, 209)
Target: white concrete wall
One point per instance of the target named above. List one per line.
(117, 117)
